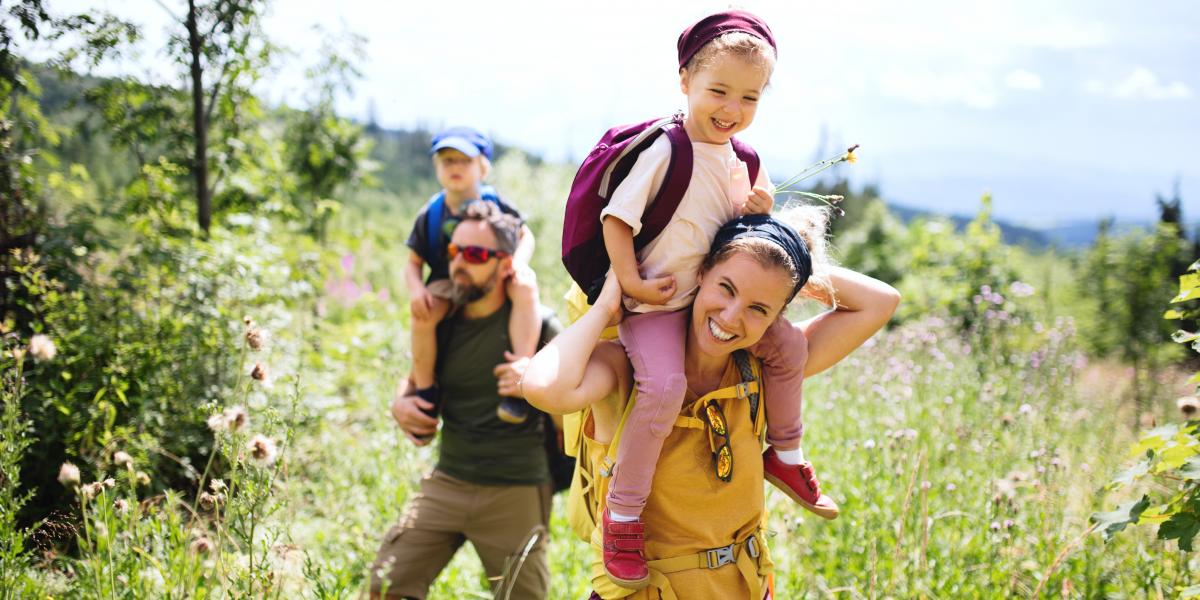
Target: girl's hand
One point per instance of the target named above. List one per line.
(759, 202)
(655, 291)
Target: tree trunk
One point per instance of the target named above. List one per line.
(199, 123)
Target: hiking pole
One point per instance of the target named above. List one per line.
(512, 567)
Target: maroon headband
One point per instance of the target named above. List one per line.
(713, 26)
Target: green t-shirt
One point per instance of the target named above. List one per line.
(476, 446)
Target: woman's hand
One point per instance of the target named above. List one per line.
(610, 299)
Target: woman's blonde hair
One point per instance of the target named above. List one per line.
(812, 223)
(753, 50)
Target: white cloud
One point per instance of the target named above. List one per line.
(926, 88)
(1022, 79)
(1141, 84)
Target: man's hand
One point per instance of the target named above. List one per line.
(406, 410)
(509, 374)
(421, 304)
(759, 202)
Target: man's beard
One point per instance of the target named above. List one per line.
(464, 291)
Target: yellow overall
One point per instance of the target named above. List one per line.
(704, 536)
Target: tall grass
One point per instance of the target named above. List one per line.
(965, 464)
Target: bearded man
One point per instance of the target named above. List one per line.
(491, 485)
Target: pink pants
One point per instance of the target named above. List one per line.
(654, 343)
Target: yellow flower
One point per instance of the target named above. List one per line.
(850, 156)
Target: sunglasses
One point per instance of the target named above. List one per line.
(476, 255)
(718, 440)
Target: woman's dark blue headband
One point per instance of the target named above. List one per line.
(772, 230)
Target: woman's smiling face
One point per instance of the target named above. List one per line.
(738, 299)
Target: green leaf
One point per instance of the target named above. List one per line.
(1127, 476)
(1174, 457)
(1154, 439)
(1181, 526)
(1172, 314)
(1195, 378)
(1190, 468)
(1190, 592)
(1114, 521)
(1183, 337)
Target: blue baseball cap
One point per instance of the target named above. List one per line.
(464, 139)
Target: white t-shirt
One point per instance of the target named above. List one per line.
(716, 193)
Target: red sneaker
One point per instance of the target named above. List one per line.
(623, 558)
(800, 483)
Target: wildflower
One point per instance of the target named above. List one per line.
(259, 373)
(1006, 420)
(869, 444)
(91, 490)
(202, 545)
(1188, 406)
(42, 347)
(209, 501)
(216, 422)
(1009, 523)
(1020, 289)
(261, 449)
(850, 157)
(236, 418)
(1025, 409)
(109, 483)
(247, 321)
(254, 338)
(18, 354)
(142, 478)
(121, 506)
(925, 485)
(68, 475)
(122, 458)
(950, 487)
(217, 486)
(995, 526)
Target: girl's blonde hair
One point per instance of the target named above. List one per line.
(812, 223)
(753, 50)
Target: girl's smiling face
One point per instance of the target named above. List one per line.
(738, 299)
(722, 97)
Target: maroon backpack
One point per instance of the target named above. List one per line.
(606, 166)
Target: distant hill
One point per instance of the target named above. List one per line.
(1011, 234)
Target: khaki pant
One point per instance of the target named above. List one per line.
(446, 512)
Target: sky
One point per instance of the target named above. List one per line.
(1063, 111)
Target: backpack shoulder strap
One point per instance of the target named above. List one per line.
(751, 372)
(748, 156)
(433, 224)
(610, 457)
(674, 185)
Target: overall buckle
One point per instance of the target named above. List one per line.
(719, 557)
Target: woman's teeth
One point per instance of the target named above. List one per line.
(719, 333)
(722, 124)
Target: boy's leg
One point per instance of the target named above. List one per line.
(783, 350)
(416, 549)
(654, 343)
(524, 331)
(424, 336)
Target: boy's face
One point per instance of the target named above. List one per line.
(458, 173)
